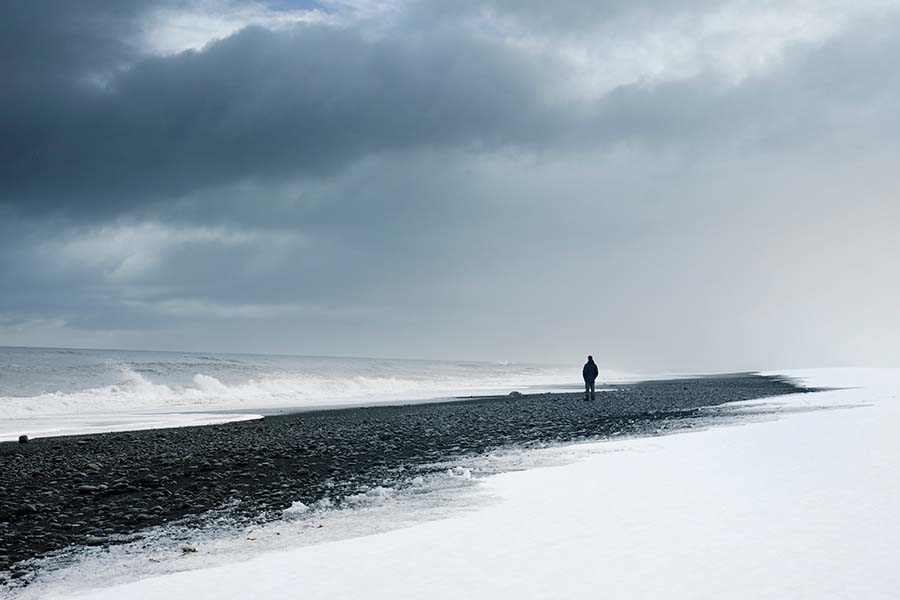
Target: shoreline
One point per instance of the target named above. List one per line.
(199, 416)
(84, 489)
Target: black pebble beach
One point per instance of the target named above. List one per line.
(79, 490)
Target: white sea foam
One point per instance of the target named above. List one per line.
(137, 392)
(55, 393)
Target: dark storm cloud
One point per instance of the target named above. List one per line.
(261, 104)
(46, 43)
(90, 126)
(49, 53)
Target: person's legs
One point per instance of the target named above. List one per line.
(592, 390)
(587, 388)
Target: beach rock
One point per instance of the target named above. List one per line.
(23, 439)
(96, 540)
(515, 394)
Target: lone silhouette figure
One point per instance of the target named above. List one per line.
(589, 372)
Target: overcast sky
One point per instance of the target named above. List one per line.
(684, 185)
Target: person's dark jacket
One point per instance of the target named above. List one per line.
(589, 372)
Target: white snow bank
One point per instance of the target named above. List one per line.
(868, 378)
(801, 507)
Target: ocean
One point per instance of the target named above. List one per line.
(47, 391)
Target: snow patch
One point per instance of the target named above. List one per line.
(295, 509)
(803, 506)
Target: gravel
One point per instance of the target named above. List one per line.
(80, 490)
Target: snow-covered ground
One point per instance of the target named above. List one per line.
(803, 506)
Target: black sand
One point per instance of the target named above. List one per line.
(57, 492)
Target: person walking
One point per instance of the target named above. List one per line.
(589, 372)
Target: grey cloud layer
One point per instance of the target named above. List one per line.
(261, 104)
(90, 124)
(429, 188)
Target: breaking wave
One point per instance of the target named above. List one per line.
(137, 392)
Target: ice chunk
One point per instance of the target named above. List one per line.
(294, 510)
